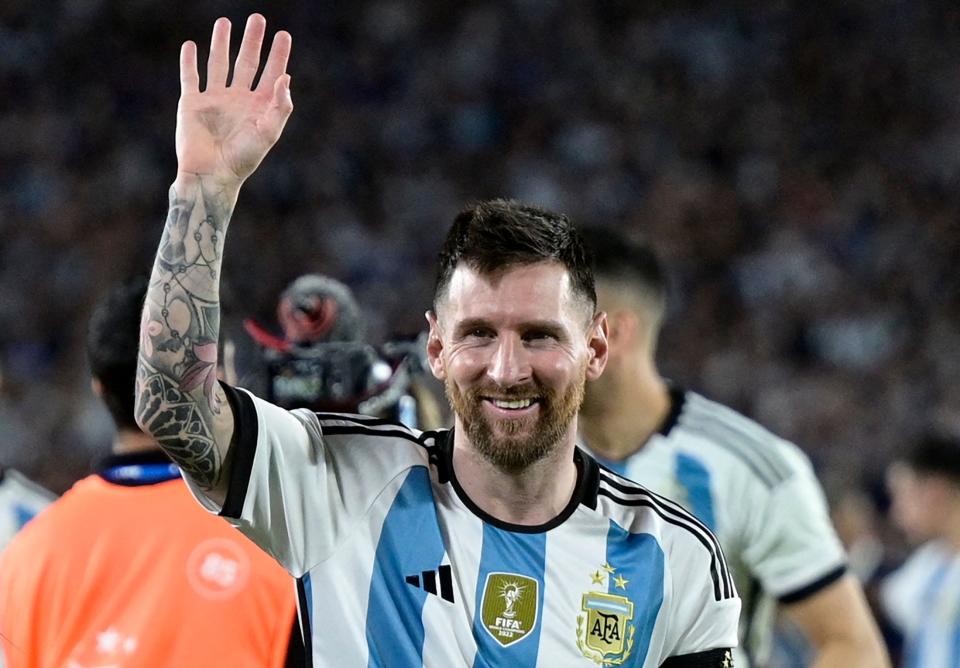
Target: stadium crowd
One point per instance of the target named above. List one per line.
(796, 169)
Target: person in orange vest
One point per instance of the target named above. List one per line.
(125, 569)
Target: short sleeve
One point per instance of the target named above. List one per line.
(295, 492)
(705, 605)
(791, 546)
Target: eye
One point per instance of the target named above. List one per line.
(539, 335)
(479, 333)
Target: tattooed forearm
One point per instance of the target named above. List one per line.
(178, 399)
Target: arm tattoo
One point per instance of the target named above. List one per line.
(178, 397)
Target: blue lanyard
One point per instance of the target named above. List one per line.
(141, 474)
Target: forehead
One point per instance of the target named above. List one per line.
(539, 291)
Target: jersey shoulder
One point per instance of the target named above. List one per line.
(708, 427)
(681, 535)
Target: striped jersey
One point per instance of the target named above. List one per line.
(396, 566)
(922, 598)
(758, 493)
(20, 500)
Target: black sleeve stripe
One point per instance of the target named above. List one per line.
(667, 505)
(686, 519)
(243, 446)
(712, 658)
(721, 590)
(339, 430)
(816, 586)
(365, 420)
(303, 608)
(704, 431)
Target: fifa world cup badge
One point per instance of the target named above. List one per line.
(604, 631)
(509, 606)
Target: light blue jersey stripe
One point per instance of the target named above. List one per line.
(410, 542)
(917, 647)
(508, 552)
(22, 515)
(637, 560)
(695, 478)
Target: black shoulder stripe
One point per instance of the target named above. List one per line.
(677, 511)
(357, 430)
(742, 431)
(626, 487)
(366, 420)
(768, 479)
(720, 591)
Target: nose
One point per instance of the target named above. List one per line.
(510, 364)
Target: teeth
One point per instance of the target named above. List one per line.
(515, 404)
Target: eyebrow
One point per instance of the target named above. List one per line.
(552, 327)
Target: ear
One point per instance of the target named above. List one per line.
(97, 387)
(435, 347)
(598, 346)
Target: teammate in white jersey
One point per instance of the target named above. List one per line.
(20, 500)
(497, 543)
(757, 492)
(923, 597)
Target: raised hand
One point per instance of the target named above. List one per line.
(225, 131)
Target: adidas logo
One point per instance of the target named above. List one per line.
(427, 581)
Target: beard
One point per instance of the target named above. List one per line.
(513, 444)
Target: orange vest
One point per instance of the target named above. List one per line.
(122, 577)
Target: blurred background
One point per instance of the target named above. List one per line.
(796, 168)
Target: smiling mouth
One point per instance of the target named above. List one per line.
(511, 404)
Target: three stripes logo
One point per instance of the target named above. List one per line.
(428, 581)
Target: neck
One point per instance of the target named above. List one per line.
(622, 419)
(130, 441)
(951, 530)
(531, 497)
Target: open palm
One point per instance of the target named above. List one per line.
(225, 131)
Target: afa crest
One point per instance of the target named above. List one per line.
(604, 631)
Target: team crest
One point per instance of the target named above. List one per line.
(509, 606)
(604, 631)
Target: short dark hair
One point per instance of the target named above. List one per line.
(113, 335)
(499, 234)
(936, 452)
(623, 259)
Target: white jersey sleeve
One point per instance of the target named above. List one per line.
(298, 485)
(791, 546)
(705, 620)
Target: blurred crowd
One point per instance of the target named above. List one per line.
(797, 170)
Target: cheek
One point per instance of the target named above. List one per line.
(466, 363)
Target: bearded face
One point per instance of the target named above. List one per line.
(514, 443)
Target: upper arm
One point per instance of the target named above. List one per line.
(839, 614)
(195, 435)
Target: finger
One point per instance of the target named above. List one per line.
(280, 107)
(218, 64)
(276, 62)
(248, 59)
(189, 78)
